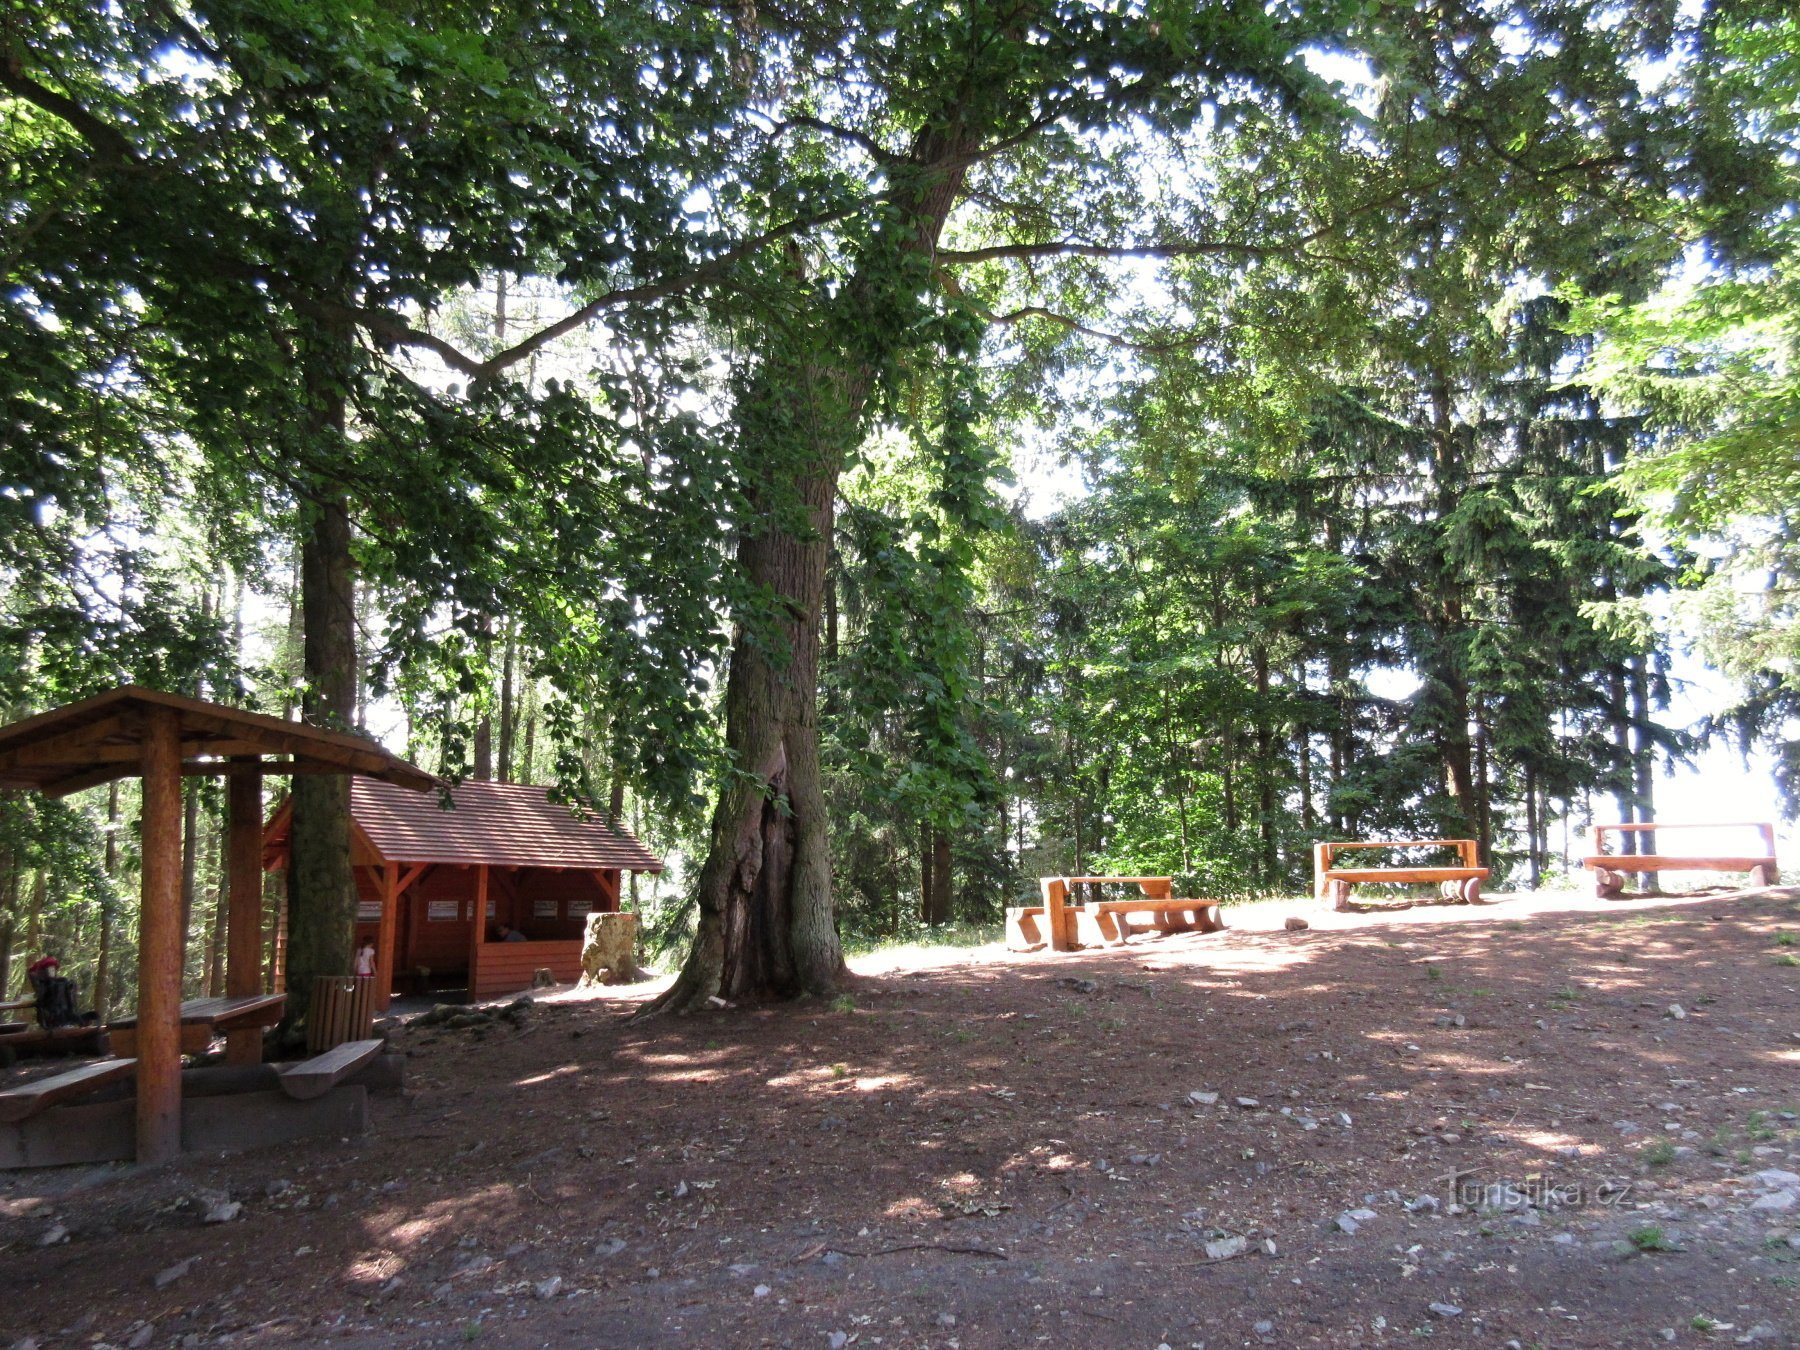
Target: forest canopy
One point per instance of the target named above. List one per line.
(636, 400)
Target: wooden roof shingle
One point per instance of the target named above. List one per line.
(500, 824)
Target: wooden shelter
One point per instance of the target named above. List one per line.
(435, 884)
(130, 732)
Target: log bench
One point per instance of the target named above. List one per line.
(316, 1076)
(26, 1100)
(1066, 926)
(1461, 881)
(1611, 869)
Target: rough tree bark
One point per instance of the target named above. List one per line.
(321, 899)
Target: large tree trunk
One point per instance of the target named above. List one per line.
(321, 900)
(767, 924)
(767, 927)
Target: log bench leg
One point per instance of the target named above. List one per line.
(1608, 884)
(1337, 893)
(1764, 875)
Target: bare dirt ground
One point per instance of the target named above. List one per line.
(1548, 1121)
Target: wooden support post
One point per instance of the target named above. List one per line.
(478, 928)
(243, 914)
(1056, 917)
(160, 942)
(389, 877)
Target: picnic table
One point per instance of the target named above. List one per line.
(1069, 924)
(1461, 881)
(204, 1018)
(1611, 869)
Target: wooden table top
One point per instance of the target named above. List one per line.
(245, 1010)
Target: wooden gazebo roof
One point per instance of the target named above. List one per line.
(99, 739)
(499, 824)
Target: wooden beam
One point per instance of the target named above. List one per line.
(244, 906)
(389, 876)
(477, 928)
(160, 944)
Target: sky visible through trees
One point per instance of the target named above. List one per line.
(641, 401)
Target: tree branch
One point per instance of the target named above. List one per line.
(102, 136)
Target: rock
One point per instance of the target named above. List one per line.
(609, 949)
(548, 1289)
(1268, 1246)
(1445, 1310)
(1343, 1119)
(1346, 1223)
(1676, 1011)
(141, 1337)
(1223, 1249)
(52, 1235)
(223, 1212)
(610, 1247)
(1422, 1204)
(1778, 1202)
(946, 1319)
(741, 1269)
(1777, 1178)
(1203, 1098)
(1248, 1103)
(837, 1340)
(279, 1186)
(761, 1291)
(1295, 924)
(169, 1274)
(1762, 1331)
(1081, 986)
(1263, 1328)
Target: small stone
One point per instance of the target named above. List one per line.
(442, 1292)
(1223, 1249)
(1263, 1328)
(1762, 1331)
(1343, 1119)
(1445, 1309)
(1268, 1246)
(169, 1274)
(761, 1291)
(610, 1247)
(141, 1337)
(1203, 1098)
(837, 1340)
(946, 1319)
(1778, 1202)
(1777, 1178)
(741, 1269)
(54, 1234)
(548, 1289)
(1346, 1223)
(1422, 1204)
(1564, 1239)
(1676, 1011)
(1295, 924)
(1248, 1103)
(223, 1212)
(279, 1186)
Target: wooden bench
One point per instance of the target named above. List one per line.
(27, 1100)
(1611, 869)
(1065, 925)
(204, 1018)
(316, 1076)
(1459, 882)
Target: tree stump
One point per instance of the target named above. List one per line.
(609, 950)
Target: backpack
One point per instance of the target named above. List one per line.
(56, 1002)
